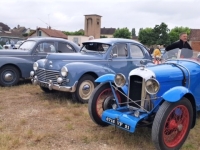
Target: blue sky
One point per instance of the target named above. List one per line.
(68, 15)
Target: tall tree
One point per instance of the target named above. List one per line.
(122, 33)
(160, 34)
(175, 32)
(145, 36)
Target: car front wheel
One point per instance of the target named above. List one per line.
(172, 124)
(84, 89)
(101, 99)
(9, 76)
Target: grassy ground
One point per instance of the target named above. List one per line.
(31, 119)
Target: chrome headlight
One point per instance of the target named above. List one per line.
(152, 86)
(120, 80)
(35, 66)
(64, 71)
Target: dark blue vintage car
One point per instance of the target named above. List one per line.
(164, 97)
(76, 73)
(17, 63)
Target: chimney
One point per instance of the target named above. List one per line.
(18, 26)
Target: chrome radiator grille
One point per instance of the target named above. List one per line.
(46, 75)
(135, 89)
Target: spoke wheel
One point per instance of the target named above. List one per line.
(172, 124)
(102, 98)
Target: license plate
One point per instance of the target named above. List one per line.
(118, 123)
(44, 85)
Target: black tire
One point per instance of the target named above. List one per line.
(86, 80)
(12, 73)
(165, 124)
(95, 115)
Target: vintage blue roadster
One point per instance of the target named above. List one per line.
(164, 97)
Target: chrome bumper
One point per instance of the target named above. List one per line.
(52, 86)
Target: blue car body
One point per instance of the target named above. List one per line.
(17, 63)
(90, 62)
(179, 83)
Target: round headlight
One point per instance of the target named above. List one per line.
(152, 86)
(35, 66)
(120, 80)
(64, 71)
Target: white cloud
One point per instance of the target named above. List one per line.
(68, 15)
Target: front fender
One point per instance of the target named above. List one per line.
(106, 78)
(175, 94)
(24, 65)
(110, 78)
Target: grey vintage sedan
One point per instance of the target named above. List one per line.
(17, 63)
(77, 72)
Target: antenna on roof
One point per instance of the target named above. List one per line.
(48, 26)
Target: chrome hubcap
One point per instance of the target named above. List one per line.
(8, 77)
(86, 89)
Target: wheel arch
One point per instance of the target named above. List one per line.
(13, 65)
(90, 73)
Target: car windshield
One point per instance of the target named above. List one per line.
(27, 45)
(177, 54)
(95, 47)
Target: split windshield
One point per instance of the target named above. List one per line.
(177, 54)
(95, 47)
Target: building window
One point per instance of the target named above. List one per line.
(39, 33)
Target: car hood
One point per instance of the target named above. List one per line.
(167, 72)
(74, 56)
(11, 52)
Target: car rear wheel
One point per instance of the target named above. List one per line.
(9, 76)
(84, 89)
(172, 124)
(101, 99)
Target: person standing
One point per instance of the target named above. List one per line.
(182, 43)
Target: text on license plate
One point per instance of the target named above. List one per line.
(118, 123)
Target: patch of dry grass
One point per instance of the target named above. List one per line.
(32, 119)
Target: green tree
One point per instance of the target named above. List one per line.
(145, 36)
(80, 32)
(160, 34)
(103, 36)
(122, 33)
(175, 32)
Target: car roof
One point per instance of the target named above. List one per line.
(112, 41)
(39, 39)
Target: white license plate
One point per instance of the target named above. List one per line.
(118, 123)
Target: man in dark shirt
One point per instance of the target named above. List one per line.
(182, 43)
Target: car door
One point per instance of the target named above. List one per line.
(137, 53)
(119, 57)
(43, 48)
